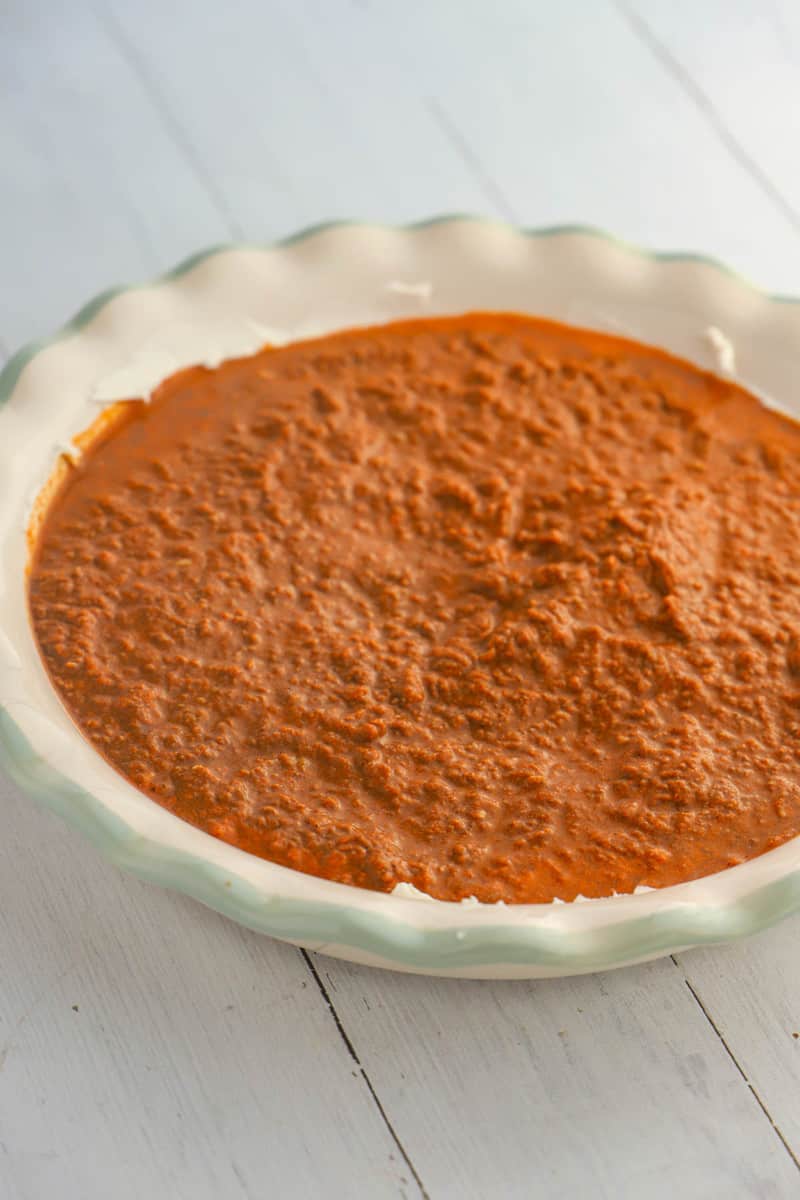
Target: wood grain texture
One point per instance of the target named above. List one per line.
(737, 61)
(751, 992)
(203, 1061)
(303, 119)
(607, 1086)
(134, 134)
(95, 192)
(150, 1048)
(579, 123)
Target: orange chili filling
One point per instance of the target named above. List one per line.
(485, 603)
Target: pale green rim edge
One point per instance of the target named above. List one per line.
(316, 922)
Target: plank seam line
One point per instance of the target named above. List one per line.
(169, 121)
(738, 1066)
(353, 1054)
(468, 156)
(705, 105)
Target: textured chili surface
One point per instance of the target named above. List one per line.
(484, 603)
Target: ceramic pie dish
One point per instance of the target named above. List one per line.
(230, 300)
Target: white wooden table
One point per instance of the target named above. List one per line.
(148, 1048)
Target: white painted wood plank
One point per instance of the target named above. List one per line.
(150, 1048)
(741, 62)
(300, 126)
(94, 191)
(752, 992)
(604, 1086)
(394, 111)
(566, 110)
(130, 145)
